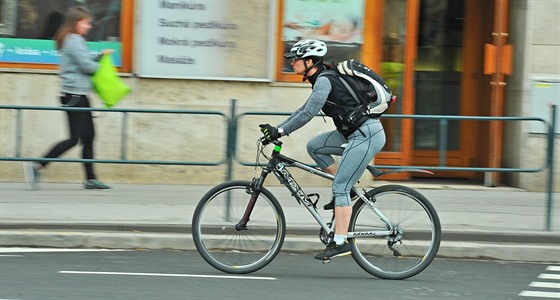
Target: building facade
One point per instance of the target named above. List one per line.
(441, 57)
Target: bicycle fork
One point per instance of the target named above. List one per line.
(255, 191)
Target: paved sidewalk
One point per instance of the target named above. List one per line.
(478, 222)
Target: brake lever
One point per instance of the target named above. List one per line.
(264, 141)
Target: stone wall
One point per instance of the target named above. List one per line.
(535, 36)
(168, 137)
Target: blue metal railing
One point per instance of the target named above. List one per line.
(443, 123)
(443, 143)
(124, 129)
(232, 124)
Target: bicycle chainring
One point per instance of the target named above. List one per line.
(397, 234)
(324, 237)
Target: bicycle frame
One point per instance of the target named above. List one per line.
(278, 164)
(253, 234)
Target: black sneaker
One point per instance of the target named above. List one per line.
(92, 184)
(330, 205)
(31, 174)
(334, 250)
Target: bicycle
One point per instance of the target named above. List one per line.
(239, 226)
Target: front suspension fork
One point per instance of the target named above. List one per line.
(254, 190)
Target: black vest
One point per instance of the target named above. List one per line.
(339, 102)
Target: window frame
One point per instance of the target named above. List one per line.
(370, 55)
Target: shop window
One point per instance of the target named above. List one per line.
(27, 29)
(338, 23)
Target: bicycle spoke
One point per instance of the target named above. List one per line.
(227, 248)
(415, 238)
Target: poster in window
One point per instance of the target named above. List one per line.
(28, 27)
(339, 23)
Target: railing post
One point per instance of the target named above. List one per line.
(124, 136)
(443, 142)
(18, 132)
(230, 151)
(550, 160)
(231, 136)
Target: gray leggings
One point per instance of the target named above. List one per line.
(361, 146)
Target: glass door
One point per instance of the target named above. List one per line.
(438, 70)
(433, 60)
(392, 68)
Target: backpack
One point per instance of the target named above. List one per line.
(371, 94)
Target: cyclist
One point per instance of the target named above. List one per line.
(357, 145)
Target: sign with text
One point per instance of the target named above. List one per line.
(44, 51)
(212, 39)
(28, 28)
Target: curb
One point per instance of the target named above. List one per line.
(521, 237)
(300, 244)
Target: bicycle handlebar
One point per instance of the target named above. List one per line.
(265, 141)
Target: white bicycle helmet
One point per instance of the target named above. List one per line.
(307, 48)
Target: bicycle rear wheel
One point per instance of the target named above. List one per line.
(238, 250)
(410, 248)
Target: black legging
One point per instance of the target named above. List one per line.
(81, 129)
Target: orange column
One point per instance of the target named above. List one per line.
(497, 88)
(409, 85)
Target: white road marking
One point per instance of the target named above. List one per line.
(7, 255)
(550, 276)
(34, 250)
(550, 285)
(549, 295)
(545, 285)
(168, 275)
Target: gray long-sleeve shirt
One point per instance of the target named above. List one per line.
(311, 107)
(77, 65)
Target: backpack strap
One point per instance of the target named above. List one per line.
(351, 91)
(348, 85)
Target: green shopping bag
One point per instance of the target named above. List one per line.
(107, 83)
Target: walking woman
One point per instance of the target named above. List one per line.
(76, 68)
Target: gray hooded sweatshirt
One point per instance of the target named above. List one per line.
(77, 65)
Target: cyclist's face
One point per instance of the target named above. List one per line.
(298, 65)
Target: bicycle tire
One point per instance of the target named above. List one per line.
(416, 241)
(238, 251)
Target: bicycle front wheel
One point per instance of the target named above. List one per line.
(415, 238)
(226, 245)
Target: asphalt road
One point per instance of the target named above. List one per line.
(184, 275)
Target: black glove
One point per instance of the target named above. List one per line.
(270, 132)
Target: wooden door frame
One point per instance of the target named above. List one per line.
(463, 156)
(403, 157)
(472, 90)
